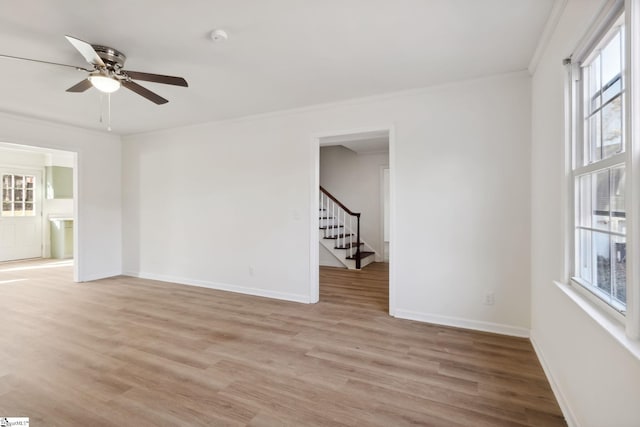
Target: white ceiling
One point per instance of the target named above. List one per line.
(362, 143)
(281, 54)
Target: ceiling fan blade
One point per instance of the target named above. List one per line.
(80, 87)
(142, 91)
(18, 58)
(86, 50)
(158, 78)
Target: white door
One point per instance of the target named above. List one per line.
(21, 214)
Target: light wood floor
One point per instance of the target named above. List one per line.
(133, 352)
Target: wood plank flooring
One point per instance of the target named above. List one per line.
(126, 351)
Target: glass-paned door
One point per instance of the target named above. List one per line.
(20, 217)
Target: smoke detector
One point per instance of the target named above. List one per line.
(218, 35)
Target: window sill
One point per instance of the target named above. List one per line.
(611, 325)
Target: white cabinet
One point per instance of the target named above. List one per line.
(61, 237)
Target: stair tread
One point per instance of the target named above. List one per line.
(348, 245)
(328, 227)
(363, 254)
(338, 236)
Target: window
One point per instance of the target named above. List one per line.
(17, 195)
(600, 168)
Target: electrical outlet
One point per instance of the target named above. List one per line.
(251, 270)
(489, 298)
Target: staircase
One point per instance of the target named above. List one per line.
(340, 233)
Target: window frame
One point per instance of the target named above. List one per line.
(582, 163)
(24, 188)
(596, 36)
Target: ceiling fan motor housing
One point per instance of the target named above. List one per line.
(112, 58)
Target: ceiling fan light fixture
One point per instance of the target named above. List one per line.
(104, 83)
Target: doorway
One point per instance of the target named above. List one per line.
(38, 198)
(349, 165)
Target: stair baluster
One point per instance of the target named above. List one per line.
(350, 236)
(335, 216)
(358, 260)
(344, 221)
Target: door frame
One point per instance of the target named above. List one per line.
(314, 192)
(382, 213)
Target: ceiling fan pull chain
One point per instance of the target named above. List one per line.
(109, 112)
(100, 108)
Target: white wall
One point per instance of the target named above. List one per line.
(212, 204)
(597, 380)
(22, 159)
(99, 185)
(354, 179)
(327, 259)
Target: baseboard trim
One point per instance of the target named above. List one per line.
(458, 322)
(98, 276)
(222, 287)
(568, 414)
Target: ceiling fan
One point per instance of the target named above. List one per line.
(108, 74)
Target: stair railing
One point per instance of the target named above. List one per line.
(340, 215)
